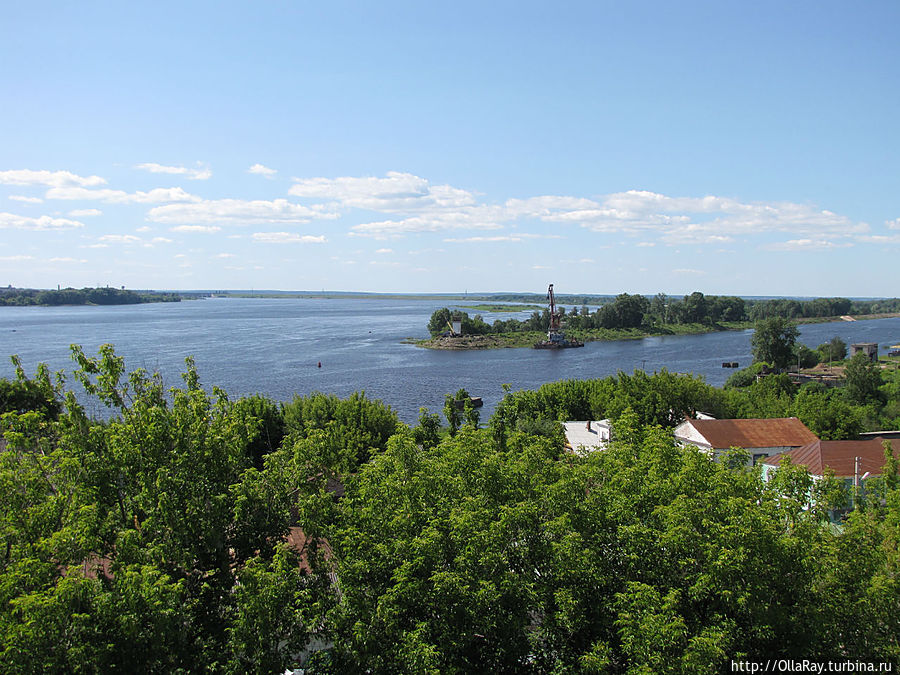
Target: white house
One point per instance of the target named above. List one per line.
(587, 436)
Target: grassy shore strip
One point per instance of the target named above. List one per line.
(504, 308)
(528, 338)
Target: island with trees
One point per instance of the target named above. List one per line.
(632, 316)
(82, 296)
(186, 531)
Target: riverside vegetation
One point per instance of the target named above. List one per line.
(154, 540)
(636, 316)
(82, 296)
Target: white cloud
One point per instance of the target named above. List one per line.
(27, 200)
(398, 192)
(160, 240)
(68, 260)
(287, 238)
(154, 196)
(467, 240)
(261, 170)
(196, 228)
(11, 220)
(143, 228)
(236, 212)
(892, 224)
(385, 250)
(224, 255)
(78, 213)
(879, 238)
(804, 245)
(646, 244)
(193, 174)
(688, 271)
(436, 222)
(120, 239)
(704, 220)
(546, 205)
(48, 178)
(15, 258)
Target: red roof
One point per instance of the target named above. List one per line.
(839, 456)
(776, 432)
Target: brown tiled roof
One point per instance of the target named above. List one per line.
(839, 456)
(755, 433)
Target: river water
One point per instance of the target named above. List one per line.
(274, 346)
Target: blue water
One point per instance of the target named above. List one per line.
(273, 346)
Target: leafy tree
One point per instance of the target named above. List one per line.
(355, 428)
(804, 356)
(862, 379)
(439, 321)
(833, 350)
(773, 341)
(694, 308)
(428, 432)
(125, 544)
(827, 415)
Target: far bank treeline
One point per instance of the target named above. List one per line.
(654, 314)
(82, 296)
(194, 533)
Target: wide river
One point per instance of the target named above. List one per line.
(274, 346)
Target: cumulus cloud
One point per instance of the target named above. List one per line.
(432, 222)
(207, 229)
(68, 260)
(261, 170)
(120, 239)
(892, 224)
(154, 196)
(14, 221)
(27, 200)
(48, 178)
(202, 173)
(287, 238)
(499, 238)
(15, 258)
(79, 213)
(398, 192)
(384, 250)
(805, 245)
(236, 212)
(704, 220)
(878, 238)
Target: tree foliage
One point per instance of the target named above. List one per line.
(773, 341)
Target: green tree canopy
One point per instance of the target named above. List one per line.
(773, 341)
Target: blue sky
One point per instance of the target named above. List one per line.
(739, 148)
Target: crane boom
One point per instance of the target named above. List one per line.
(554, 315)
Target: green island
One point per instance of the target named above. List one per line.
(82, 296)
(187, 531)
(628, 317)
